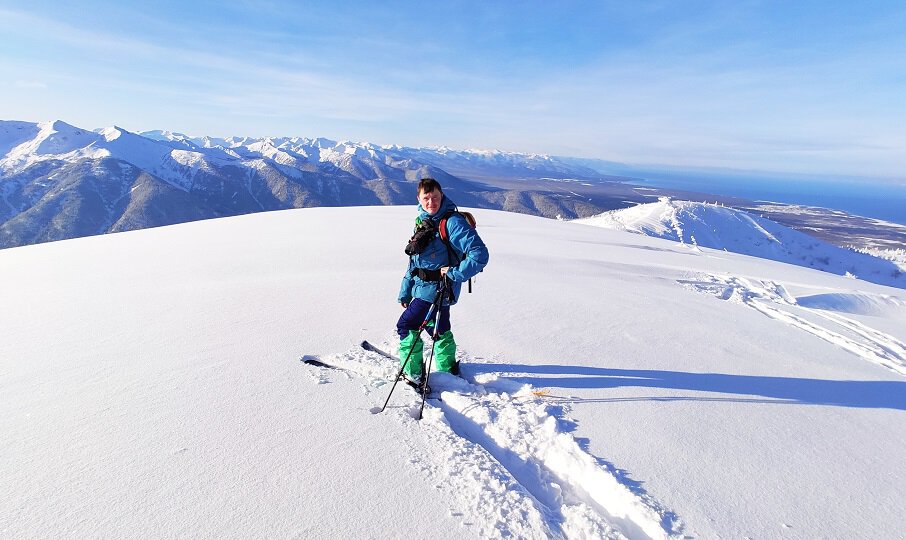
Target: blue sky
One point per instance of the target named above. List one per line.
(806, 87)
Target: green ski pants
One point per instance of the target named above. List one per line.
(444, 353)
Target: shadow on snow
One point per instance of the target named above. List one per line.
(783, 390)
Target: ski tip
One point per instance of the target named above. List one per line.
(368, 346)
(313, 360)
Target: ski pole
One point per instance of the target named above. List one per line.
(435, 307)
(441, 289)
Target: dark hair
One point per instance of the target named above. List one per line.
(427, 185)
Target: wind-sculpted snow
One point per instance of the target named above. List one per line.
(855, 303)
(773, 300)
(717, 227)
(497, 448)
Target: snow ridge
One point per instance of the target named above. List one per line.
(505, 456)
(703, 225)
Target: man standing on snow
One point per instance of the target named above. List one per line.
(431, 260)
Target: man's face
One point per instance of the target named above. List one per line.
(430, 200)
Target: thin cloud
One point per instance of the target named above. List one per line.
(672, 87)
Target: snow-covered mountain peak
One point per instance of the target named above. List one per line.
(59, 138)
(718, 227)
(689, 222)
(321, 142)
(362, 150)
(13, 133)
(26, 144)
(175, 140)
(214, 142)
(58, 126)
(482, 161)
(162, 135)
(112, 133)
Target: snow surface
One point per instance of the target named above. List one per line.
(616, 385)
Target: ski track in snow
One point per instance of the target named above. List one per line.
(767, 297)
(497, 450)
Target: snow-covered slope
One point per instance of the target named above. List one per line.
(617, 386)
(719, 227)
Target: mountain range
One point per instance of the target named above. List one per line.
(59, 181)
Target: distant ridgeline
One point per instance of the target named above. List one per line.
(58, 181)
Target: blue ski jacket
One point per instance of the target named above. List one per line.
(466, 245)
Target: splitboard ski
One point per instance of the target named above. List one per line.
(369, 347)
(317, 361)
(313, 360)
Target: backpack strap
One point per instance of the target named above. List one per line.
(445, 236)
(442, 228)
(442, 225)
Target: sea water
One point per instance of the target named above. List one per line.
(873, 198)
